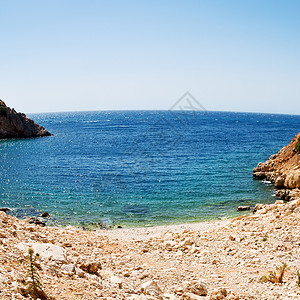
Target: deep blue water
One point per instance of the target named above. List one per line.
(135, 168)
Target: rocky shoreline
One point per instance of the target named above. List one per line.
(250, 257)
(283, 170)
(17, 125)
(224, 261)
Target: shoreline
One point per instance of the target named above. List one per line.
(172, 262)
(143, 233)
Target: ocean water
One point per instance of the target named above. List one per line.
(137, 168)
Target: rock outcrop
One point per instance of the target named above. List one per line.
(283, 170)
(17, 125)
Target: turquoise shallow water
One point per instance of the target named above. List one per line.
(133, 168)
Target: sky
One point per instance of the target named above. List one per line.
(74, 55)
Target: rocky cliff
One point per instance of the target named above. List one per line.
(17, 125)
(282, 169)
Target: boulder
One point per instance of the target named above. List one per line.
(292, 179)
(45, 250)
(279, 182)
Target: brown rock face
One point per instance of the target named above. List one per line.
(283, 168)
(17, 125)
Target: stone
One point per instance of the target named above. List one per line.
(68, 269)
(279, 183)
(257, 207)
(243, 208)
(151, 288)
(35, 220)
(197, 288)
(188, 242)
(2, 278)
(79, 272)
(259, 175)
(297, 210)
(3, 235)
(116, 280)
(45, 215)
(218, 294)
(90, 267)
(45, 250)
(292, 180)
(19, 277)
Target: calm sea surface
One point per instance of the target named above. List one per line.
(134, 168)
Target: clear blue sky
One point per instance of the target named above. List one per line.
(105, 55)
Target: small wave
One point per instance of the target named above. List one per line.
(266, 182)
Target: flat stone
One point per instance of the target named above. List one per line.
(45, 250)
(68, 269)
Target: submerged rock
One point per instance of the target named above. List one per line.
(5, 209)
(17, 125)
(44, 215)
(34, 220)
(242, 208)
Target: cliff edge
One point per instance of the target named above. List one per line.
(17, 125)
(283, 170)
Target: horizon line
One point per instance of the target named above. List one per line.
(162, 110)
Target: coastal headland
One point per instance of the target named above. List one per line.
(17, 125)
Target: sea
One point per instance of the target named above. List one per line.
(141, 168)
